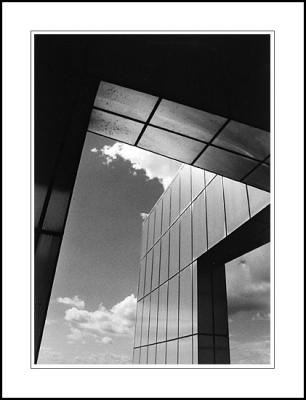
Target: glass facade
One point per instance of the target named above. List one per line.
(182, 315)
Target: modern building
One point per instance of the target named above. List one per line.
(201, 99)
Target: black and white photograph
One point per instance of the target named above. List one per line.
(152, 203)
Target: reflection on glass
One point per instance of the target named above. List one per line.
(174, 249)
(199, 226)
(138, 323)
(142, 278)
(162, 313)
(172, 322)
(161, 353)
(258, 199)
(194, 298)
(148, 272)
(185, 350)
(164, 258)
(197, 177)
(205, 349)
(185, 186)
(153, 317)
(195, 349)
(172, 352)
(151, 354)
(144, 237)
(175, 198)
(185, 239)
(143, 355)
(185, 323)
(136, 355)
(156, 259)
(166, 211)
(145, 321)
(236, 204)
(158, 219)
(151, 229)
(215, 211)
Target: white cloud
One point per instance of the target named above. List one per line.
(119, 320)
(155, 166)
(261, 316)
(102, 358)
(143, 215)
(106, 340)
(49, 356)
(74, 301)
(94, 150)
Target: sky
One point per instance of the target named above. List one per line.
(92, 309)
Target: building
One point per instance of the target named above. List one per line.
(201, 222)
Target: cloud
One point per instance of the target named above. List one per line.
(143, 215)
(50, 356)
(155, 166)
(261, 316)
(74, 301)
(255, 352)
(119, 320)
(103, 358)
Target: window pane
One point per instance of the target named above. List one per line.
(142, 278)
(136, 355)
(195, 298)
(166, 211)
(175, 198)
(114, 127)
(185, 323)
(156, 259)
(174, 249)
(172, 352)
(185, 186)
(164, 258)
(153, 317)
(185, 239)
(162, 313)
(187, 120)
(138, 323)
(161, 353)
(199, 226)
(124, 101)
(151, 354)
(258, 199)
(172, 323)
(143, 355)
(215, 212)
(148, 272)
(197, 181)
(169, 144)
(236, 204)
(151, 229)
(158, 217)
(144, 237)
(145, 321)
(185, 350)
(205, 349)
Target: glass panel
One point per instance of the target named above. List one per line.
(209, 176)
(156, 259)
(148, 272)
(56, 211)
(198, 183)
(138, 323)
(172, 352)
(224, 163)
(185, 350)
(151, 229)
(185, 239)
(161, 353)
(162, 313)
(166, 211)
(124, 101)
(194, 298)
(174, 249)
(143, 355)
(199, 226)
(205, 350)
(185, 186)
(260, 178)
(136, 356)
(114, 127)
(222, 354)
(258, 199)
(158, 217)
(144, 237)
(215, 212)
(187, 120)
(172, 323)
(169, 144)
(244, 139)
(236, 204)
(145, 321)
(151, 354)
(195, 349)
(164, 258)
(142, 278)
(153, 317)
(175, 198)
(185, 323)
